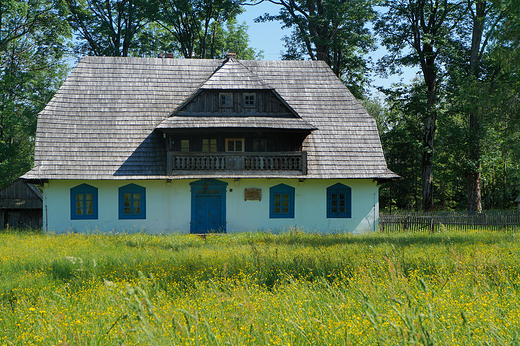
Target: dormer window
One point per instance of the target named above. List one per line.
(225, 99)
(249, 100)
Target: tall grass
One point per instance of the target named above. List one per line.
(453, 288)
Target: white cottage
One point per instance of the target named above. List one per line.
(176, 146)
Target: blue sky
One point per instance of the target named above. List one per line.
(268, 37)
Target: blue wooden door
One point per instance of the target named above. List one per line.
(208, 214)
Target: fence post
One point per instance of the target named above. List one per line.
(432, 227)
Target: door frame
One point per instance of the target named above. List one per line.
(197, 188)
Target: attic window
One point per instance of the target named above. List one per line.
(225, 99)
(249, 100)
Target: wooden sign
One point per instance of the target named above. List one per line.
(252, 194)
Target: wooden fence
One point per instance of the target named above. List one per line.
(436, 221)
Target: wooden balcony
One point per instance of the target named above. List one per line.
(236, 162)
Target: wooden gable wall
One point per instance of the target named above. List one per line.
(208, 102)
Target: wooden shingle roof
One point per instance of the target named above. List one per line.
(234, 75)
(21, 195)
(101, 123)
(254, 122)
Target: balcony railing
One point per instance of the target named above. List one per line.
(206, 163)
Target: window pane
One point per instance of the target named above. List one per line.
(79, 204)
(89, 211)
(89, 197)
(127, 211)
(334, 209)
(213, 144)
(277, 210)
(342, 210)
(285, 203)
(231, 146)
(137, 196)
(276, 202)
(79, 211)
(286, 196)
(89, 204)
(137, 211)
(238, 146)
(185, 145)
(286, 210)
(79, 197)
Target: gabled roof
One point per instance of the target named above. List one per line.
(101, 123)
(234, 75)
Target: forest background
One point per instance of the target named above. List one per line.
(452, 132)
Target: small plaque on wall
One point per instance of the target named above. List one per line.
(252, 194)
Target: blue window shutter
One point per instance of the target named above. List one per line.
(339, 201)
(132, 202)
(84, 202)
(281, 202)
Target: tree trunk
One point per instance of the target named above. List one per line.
(427, 162)
(473, 175)
(474, 193)
(430, 79)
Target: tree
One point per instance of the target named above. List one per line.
(481, 81)
(194, 24)
(33, 37)
(334, 31)
(109, 27)
(416, 32)
(233, 38)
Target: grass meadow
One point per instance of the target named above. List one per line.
(294, 288)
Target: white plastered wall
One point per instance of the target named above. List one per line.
(168, 207)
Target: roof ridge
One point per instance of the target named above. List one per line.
(234, 79)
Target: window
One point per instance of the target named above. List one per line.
(83, 202)
(249, 100)
(234, 144)
(281, 202)
(339, 201)
(209, 145)
(185, 145)
(132, 202)
(225, 99)
(259, 145)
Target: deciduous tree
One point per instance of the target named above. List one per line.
(33, 37)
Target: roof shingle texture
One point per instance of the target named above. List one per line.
(100, 124)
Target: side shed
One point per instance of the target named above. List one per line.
(21, 206)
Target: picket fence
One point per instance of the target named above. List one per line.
(436, 221)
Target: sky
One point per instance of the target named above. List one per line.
(268, 37)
